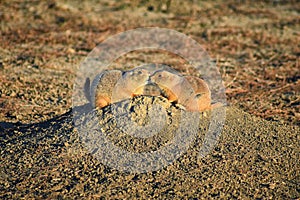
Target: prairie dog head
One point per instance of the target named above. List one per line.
(138, 75)
(166, 79)
(130, 84)
(135, 78)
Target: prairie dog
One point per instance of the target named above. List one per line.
(190, 91)
(112, 86)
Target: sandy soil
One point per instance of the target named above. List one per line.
(254, 45)
(254, 158)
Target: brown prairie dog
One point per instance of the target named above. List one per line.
(114, 85)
